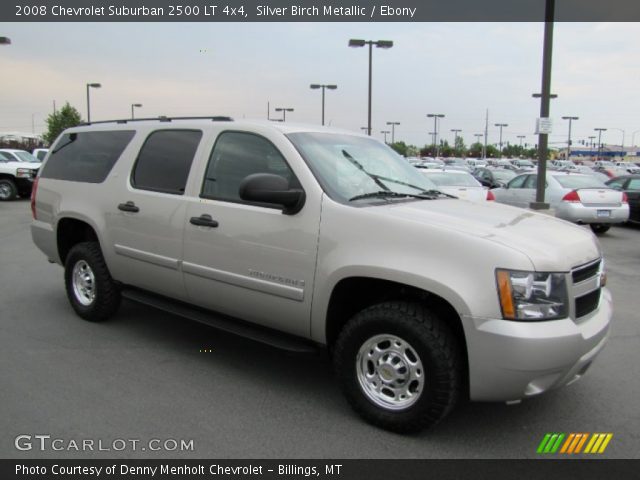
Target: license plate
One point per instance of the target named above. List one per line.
(604, 213)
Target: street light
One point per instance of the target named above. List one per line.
(393, 130)
(623, 134)
(385, 132)
(379, 44)
(633, 138)
(569, 139)
(315, 86)
(284, 111)
(435, 117)
(600, 130)
(501, 125)
(90, 85)
(134, 105)
(521, 137)
(592, 138)
(455, 138)
(5, 41)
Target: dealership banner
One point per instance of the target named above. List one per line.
(327, 469)
(316, 10)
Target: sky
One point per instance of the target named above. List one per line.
(236, 69)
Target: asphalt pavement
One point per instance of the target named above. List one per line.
(149, 375)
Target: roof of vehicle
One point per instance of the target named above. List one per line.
(202, 122)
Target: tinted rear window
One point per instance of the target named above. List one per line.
(579, 181)
(86, 156)
(165, 160)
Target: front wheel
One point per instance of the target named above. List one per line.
(8, 190)
(599, 228)
(399, 366)
(91, 290)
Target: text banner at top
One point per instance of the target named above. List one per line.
(316, 11)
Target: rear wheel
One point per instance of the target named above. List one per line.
(399, 366)
(8, 189)
(599, 228)
(91, 290)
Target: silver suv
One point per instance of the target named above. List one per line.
(304, 237)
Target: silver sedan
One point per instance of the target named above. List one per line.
(576, 197)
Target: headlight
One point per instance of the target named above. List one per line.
(532, 295)
(23, 173)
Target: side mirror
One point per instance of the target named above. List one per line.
(274, 189)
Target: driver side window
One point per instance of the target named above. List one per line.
(237, 155)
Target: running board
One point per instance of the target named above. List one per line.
(242, 328)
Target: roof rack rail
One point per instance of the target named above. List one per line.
(162, 118)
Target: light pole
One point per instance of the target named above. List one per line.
(435, 117)
(315, 86)
(90, 85)
(633, 138)
(623, 134)
(571, 119)
(600, 130)
(455, 131)
(379, 44)
(393, 131)
(501, 125)
(134, 105)
(521, 137)
(385, 132)
(284, 111)
(5, 41)
(592, 138)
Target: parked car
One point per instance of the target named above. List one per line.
(523, 164)
(16, 177)
(458, 183)
(574, 197)
(307, 237)
(493, 177)
(19, 155)
(630, 185)
(40, 153)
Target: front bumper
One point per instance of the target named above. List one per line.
(513, 360)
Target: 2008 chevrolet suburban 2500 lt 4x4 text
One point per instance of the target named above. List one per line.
(293, 234)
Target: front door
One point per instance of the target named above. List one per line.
(244, 259)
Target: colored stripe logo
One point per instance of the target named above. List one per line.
(574, 443)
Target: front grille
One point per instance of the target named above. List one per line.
(587, 303)
(584, 272)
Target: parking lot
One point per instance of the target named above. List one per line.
(146, 375)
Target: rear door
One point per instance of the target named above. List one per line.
(146, 218)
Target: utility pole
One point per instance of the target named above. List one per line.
(569, 139)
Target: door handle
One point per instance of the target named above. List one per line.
(204, 221)
(128, 207)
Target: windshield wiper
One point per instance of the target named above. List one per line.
(389, 193)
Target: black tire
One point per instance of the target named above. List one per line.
(8, 189)
(106, 296)
(437, 350)
(599, 228)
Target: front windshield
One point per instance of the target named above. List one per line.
(349, 166)
(26, 157)
(504, 175)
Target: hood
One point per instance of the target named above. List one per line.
(550, 243)
(16, 164)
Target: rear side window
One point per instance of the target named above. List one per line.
(86, 156)
(164, 161)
